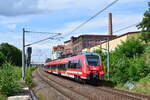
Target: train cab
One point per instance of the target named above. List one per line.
(94, 66)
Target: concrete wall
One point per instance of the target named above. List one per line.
(114, 42)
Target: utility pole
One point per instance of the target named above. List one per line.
(108, 59)
(23, 56)
(23, 47)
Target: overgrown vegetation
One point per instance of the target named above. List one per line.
(130, 61)
(10, 75)
(3, 97)
(28, 77)
(127, 61)
(143, 85)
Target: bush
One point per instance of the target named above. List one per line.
(130, 48)
(8, 80)
(137, 69)
(119, 69)
(147, 54)
(128, 63)
(28, 77)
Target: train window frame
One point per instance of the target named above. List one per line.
(79, 64)
(75, 64)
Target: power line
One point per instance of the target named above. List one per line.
(82, 24)
(39, 41)
(43, 32)
(42, 39)
(125, 28)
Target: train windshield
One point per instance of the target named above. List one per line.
(93, 60)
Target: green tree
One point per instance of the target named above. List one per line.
(12, 53)
(2, 58)
(127, 63)
(130, 48)
(145, 25)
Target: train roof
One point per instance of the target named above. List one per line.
(65, 60)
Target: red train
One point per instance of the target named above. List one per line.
(86, 66)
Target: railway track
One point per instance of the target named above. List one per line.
(121, 94)
(101, 92)
(62, 89)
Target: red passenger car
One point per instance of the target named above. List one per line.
(84, 66)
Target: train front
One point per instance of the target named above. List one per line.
(94, 66)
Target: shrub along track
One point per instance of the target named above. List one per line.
(86, 91)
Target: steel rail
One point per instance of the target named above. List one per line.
(46, 80)
(123, 93)
(62, 85)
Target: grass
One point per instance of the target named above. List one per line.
(10, 75)
(40, 96)
(10, 80)
(143, 85)
(28, 77)
(3, 97)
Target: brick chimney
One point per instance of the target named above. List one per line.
(110, 30)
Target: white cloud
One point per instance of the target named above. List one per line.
(119, 21)
(26, 7)
(12, 26)
(11, 20)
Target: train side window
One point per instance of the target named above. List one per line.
(69, 64)
(66, 66)
(75, 63)
(79, 64)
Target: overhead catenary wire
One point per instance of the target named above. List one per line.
(43, 40)
(39, 41)
(125, 28)
(82, 24)
(43, 32)
(54, 37)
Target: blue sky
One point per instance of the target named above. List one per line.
(63, 16)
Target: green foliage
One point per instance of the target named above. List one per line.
(145, 25)
(143, 85)
(128, 63)
(3, 97)
(8, 80)
(119, 69)
(28, 77)
(145, 36)
(137, 69)
(147, 54)
(130, 48)
(12, 53)
(2, 58)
